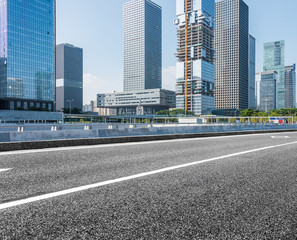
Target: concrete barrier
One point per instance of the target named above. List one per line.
(13, 146)
(93, 139)
(56, 132)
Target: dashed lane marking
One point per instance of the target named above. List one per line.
(5, 169)
(280, 137)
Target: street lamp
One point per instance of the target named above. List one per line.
(70, 101)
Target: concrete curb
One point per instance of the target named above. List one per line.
(13, 146)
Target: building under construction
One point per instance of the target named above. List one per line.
(196, 55)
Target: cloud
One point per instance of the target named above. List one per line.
(169, 78)
(94, 85)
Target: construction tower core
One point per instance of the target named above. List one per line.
(196, 55)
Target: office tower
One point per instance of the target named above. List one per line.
(232, 55)
(266, 90)
(290, 86)
(142, 64)
(142, 45)
(274, 60)
(195, 54)
(27, 54)
(252, 72)
(69, 77)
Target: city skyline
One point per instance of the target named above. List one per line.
(97, 70)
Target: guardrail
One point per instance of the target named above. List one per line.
(112, 126)
(26, 133)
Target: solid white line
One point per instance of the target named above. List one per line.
(5, 169)
(123, 179)
(129, 144)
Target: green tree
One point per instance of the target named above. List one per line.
(163, 113)
(174, 113)
(232, 120)
(247, 112)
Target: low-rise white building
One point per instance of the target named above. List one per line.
(142, 102)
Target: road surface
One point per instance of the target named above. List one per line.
(233, 187)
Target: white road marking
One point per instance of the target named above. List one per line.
(280, 137)
(129, 144)
(123, 179)
(5, 169)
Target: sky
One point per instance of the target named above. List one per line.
(97, 27)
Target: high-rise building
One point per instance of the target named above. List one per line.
(290, 86)
(195, 53)
(142, 64)
(266, 90)
(252, 72)
(69, 77)
(27, 54)
(142, 45)
(274, 60)
(232, 55)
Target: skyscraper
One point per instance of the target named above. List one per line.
(252, 72)
(27, 54)
(69, 77)
(266, 90)
(232, 55)
(290, 86)
(274, 60)
(142, 64)
(195, 53)
(142, 45)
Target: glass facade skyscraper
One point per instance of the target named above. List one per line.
(266, 90)
(252, 72)
(290, 86)
(69, 77)
(142, 64)
(142, 45)
(196, 55)
(232, 55)
(274, 60)
(27, 54)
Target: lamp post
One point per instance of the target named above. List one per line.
(70, 101)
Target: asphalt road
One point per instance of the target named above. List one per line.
(236, 187)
